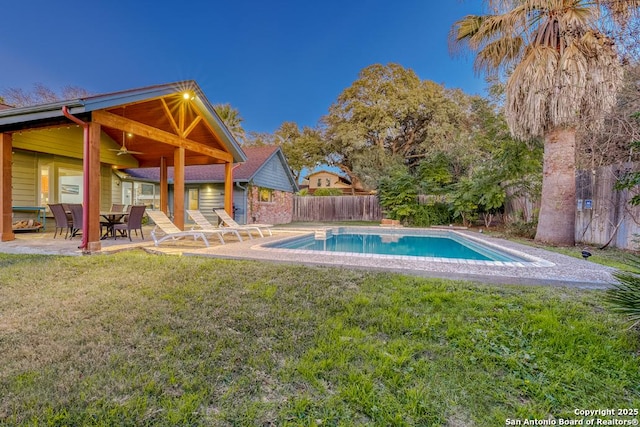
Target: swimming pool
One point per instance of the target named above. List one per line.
(432, 245)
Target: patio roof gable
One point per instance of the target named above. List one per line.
(175, 114)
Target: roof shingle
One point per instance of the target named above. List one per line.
(256, 157)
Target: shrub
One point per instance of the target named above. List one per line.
(520, 228)
(624, 296)
(431, 214)
(398, 195)
(327, 192)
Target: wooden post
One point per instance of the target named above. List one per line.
(164, 185)
(6, 195)
(93, 220)
(178, 187)
(228, 188)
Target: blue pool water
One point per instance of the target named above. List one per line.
(435, 244)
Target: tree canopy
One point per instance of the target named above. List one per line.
(388, 117)
(41, 94)
(232, 119)
(303, 148)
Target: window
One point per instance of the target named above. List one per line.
(328, 182)
(319, 182)
(145, 194)
(265, 195)
(44, 184)
(70, 185)
(59, 183)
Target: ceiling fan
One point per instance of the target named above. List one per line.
(123, 149)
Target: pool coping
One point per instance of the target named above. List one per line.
(527, 260)
(558, 269)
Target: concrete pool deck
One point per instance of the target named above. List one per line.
(564, 271)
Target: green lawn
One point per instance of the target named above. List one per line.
(135, 339)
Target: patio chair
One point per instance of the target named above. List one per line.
(134, 222)
(76, 218)
(61, 218)
(230, 222)
(168, 230)
(204, 224)
(115, 207)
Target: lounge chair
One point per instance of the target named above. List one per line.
(230, 222)
(168, 230)
(204, 225)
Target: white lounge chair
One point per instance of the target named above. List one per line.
(169, 230)
(205, 226)
(230, 222)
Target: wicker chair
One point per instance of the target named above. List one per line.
(61, 218)
(134, 222)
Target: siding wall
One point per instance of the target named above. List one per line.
(68, 142)
(25, 177)
(211, 196)
(116, 189)
(273, 175)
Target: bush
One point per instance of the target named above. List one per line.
(328, 192)
(431, 214)
(398, 195)
(624, 296)
(520, 228)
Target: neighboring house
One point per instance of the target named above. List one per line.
(70, 151)
(262, 193)
(326, 179)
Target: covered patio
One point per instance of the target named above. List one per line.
(157, 126)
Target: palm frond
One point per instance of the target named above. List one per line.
(500, 53)
(528, 91)
(624, 296)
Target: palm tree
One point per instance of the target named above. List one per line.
(231, 118)
(562, 70)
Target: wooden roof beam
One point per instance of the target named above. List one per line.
(167, 112)
(127, 125)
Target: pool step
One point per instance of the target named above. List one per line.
(323, 234)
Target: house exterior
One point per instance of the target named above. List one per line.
(72, 151)
(263, 187)
(332, 180)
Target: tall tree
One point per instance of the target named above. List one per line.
(302, 148)
(388, 115)
(562, 69)
(231, 118)
(41, 94)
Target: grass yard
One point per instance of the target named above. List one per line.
(135, 339)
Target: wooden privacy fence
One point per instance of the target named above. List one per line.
(603, 214)
(336, 208)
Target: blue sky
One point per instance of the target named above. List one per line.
(275, 61)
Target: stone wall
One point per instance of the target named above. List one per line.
(277, 211)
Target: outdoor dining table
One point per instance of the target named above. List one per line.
(111, 219)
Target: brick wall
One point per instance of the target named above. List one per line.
(277, 211)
